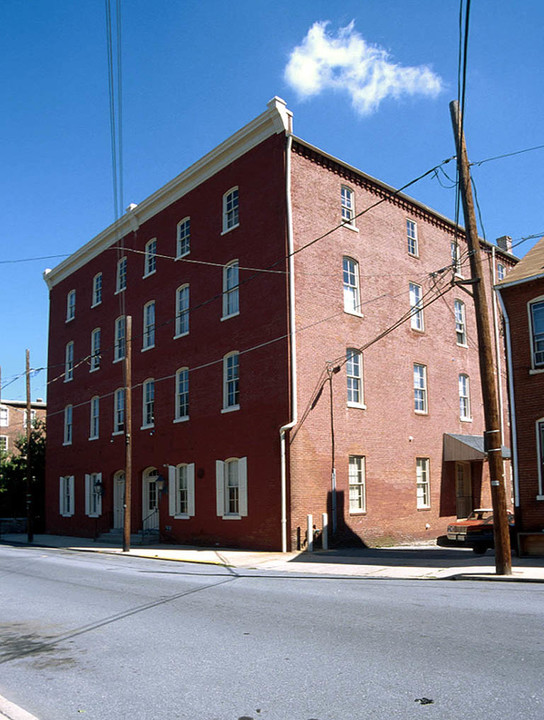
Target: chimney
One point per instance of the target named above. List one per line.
(505, 243)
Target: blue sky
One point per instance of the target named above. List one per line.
(194, 72)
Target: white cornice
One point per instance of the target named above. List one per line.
(276, 119)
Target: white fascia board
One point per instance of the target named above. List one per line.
(505, 284)
(274, 120)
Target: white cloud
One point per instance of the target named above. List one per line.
(347, 62)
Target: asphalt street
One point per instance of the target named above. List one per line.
(102, 636)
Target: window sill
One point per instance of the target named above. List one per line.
(357, 512)
(413, 255)
(355, 313)
(70, 319)
(421, 412)
(148, 274)
(417, 330)
(118, 432)
(467, 420)
(117, 292)
(360, 406)
(231, 517)
(66, 444)
(181, 335)
(94, 369)
(225, 231)
(463, 345)
(116, 360)
(149, 347)
(66, 514)
(540, 497)
(185, 418)
(349, 226)
(147, 427)
(228, 317)
(536, 371)
(233, 408)
(182, 516)
(180, 257)
(67, 380)
(427, 507)
(96, 437)
(93, 515)
(96, 304)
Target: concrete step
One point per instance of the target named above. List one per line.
(115, 537)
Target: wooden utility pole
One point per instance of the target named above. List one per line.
(128, 433)
(29, 524)
(493, 436)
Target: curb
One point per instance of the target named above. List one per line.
(10, 711)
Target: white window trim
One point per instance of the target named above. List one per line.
(94, 302)
(118, 275)
(146, 330)
(359, 511)
(119, 392)
(92, 416)
(94, 366)
(540, 460)
(180, 223)
(5, 409)
(230, 408)
(347, 310)
(180, 418)
(415, 239)
(242, 489)
(468, 417)
(69, 362)
(91, 481)
(227, 292)
(148, 256)
(534, 367)
(456, 258)
(6, 438)
(63, 510)
(173, 491)
(345, 222)
(147, 426)
(417, 320)
(350, 403)
(177, 314)
(464, 322)
(224, 211)
(68, 436)
(116, 356)
(427, 483)
(425, 388)
(70, 307)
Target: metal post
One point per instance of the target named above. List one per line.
(325, 531)
(310, 532)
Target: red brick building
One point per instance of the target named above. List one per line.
(13, 421)
(299, 347)
(522, 298)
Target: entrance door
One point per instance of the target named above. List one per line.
(119, 500)
(150, 514)
(463, 489)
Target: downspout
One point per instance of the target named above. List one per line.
(292, 342)
(497, 344)
(513, 427)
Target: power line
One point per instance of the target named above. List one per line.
(506, 155)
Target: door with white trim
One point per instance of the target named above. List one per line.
(150, 507)
(119, 500)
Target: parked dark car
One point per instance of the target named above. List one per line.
(476, 531)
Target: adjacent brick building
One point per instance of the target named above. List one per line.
(299, 346)
(13, 421)
(522, 298)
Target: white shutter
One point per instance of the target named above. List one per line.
(191, 489)
(62, 480)
(99, 499)
(87, 494)
(242, 485)
(171, 490)
(220, 485)
(70, 509)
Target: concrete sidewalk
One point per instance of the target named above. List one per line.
(415, 562)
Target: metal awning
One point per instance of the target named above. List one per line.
(467, 447)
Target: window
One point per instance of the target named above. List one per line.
(121, 276)
(540, 451)
(69, 362)
(149, 325)
(416, 305)
(3, 444)
(32, 418)
(148, 409)
(348, 205)
(420, 388)
(231, 481)
(182, 310)
(119, 346)
(501, 271)
(411, 236)
(354, 374)
(422, 483)
(455, 258)
(93, 494)
(66, 496)
(464, 397)
(95, 349)
(231, 217)
(4, 416)
(71, 305)
(94, 429)
(68, 425)
(352, 300)
(119, 410)
(230, 289)
(97, 290)
(183, 238)
(182, 394)
(181, 490)
(357, 493)
(150, 260)
(231, 379)
(537, 333)
(460, 326)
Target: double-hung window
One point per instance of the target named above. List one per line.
(231, 486)
(119, 345)
(182, 311)
(121, 277)
(97, 290)
(231, 210)
(464, 397)
(416, 307)
(68, 429)
(95, 350)
(537, 333)
(93, 494)
(347, 197)
(150, 259)
(66, 496)
(4, 416)
(501, 272)
(3, 444)
(119, 410)
(94, 429)
(455, 257)
(423, 498)
(182, 394)
(354, 375)
(230, 289)
(420, 388)
(357, 490)
(231, 382)
(71, 305)
(460, 323)
(148, 409)
(181, 490)
(411, 236)
(183, 246)
(352, 299)
(540, 452)
(148, 340)
(69, 362)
